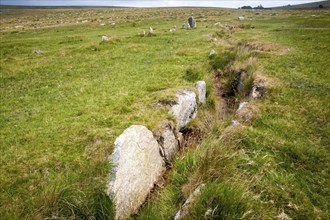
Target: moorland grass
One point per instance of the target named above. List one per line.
(62, 110)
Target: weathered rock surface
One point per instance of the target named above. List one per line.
(183, 212)
(245, 112)
(186, 108)
(137, 165)
(201, 88)
(105, 38)
(192, 22)
(169, 140)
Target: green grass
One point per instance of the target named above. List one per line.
(62, 110)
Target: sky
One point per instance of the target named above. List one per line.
(157, 3)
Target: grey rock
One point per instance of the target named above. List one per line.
(241, 18)
(151, 31)
(242, 78)
(186, 108)
(105, 38)
(38, 51)
(183, 212)
(212, 52)
(137, 165)
(192, 22)
(169, 141)
(201, 88)
(184, 26)
(256, 92)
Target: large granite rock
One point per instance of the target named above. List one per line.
(137, 165)
(186, 108)
(201, 88)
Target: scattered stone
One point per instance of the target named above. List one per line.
(283, 216)
(192, 22)
(102, 24)
(105, 38)
(137, 165)
(113, 24)
(218, 24)
(183, 212)
(151, 31)
(186, 108)
(212, 52)
(184, 26)
(143, 33)
(241, 18)
(84, 21)
(234, 123)
(38, 51)
(201, 88)
(188, 26)
(256, 92)
(245, 112)
(18, 26)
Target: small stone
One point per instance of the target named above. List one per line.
(218, 24)
(256, 92)
(241, 18)
(212, 52)
(102, 24)
(38, 51)
(201, 88)
(105, 38)
(184, 26)
(151, 31)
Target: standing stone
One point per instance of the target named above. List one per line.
(137, 165)
(186, 108)
(169, 141)
(192, 22)
(201, 88)
(240, 86)
(151, 31)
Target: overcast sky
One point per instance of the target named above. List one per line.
(150, 3)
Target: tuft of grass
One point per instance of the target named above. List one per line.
(222, 60)
(193, 74)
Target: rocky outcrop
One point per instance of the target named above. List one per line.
(201, 88)
(137, 165)
(186, 108)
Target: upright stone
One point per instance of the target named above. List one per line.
(186, 108)
(137, 165)
(192, 22)
(201, 88)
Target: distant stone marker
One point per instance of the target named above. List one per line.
(192, 22)
(105, 38)
(240, 18)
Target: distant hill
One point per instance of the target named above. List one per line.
(312, 5)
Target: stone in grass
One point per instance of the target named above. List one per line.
(186, 108)
(184, 26)
(169, 140)
(201, 88)
(212, 52)
(137, 165)
(241, 18)
(38, 51)
(192, 22)
(184, 211)
(105, 38)
(257, 92)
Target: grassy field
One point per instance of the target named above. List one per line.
(61, 111)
